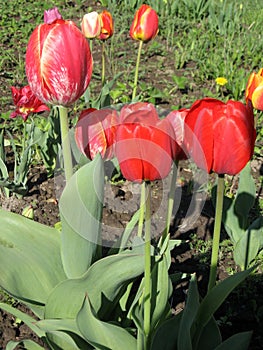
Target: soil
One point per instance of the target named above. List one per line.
(193, 222)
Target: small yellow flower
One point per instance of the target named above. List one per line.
(221, 81)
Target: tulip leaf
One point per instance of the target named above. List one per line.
(166, 335)
(103, 282)
(238, 341)
(214, 299)
(103, 335)
(246, 194)
(249, 244)
(188, 315)
(26, 343)
(80, 210)
(30, 263)
(210, 337)
(63, 333)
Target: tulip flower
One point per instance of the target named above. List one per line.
(58, 62)
(144, 143)
(106, 25)
(144, 149)
(254, 90)
(59, 68)
(177, 118)
(145, 24)
(220, 136)
(95, 132)
(144, 28)
(91, 25)
(26, 102)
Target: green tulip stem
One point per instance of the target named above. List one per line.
(171, 200)
(147, 269)
(137, 70)
(142, 210)
(103, 54)
(64, 130)
(217, 228)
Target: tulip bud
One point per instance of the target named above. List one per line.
(95, 132)
(91, 25)
(144, 143)
(58, 62)
(254, 90)
(145, 24)
(106, 25)
(220, 136)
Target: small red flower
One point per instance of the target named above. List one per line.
(26, 102)
(144, 143)
(58, 62)
(177, 118)
(95, 132)
(106, 22)
(220, 136)
(254, 90)
(145, 24)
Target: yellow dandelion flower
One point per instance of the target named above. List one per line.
(221, 81)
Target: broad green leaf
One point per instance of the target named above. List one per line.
(246, 194)
(239, 341)
(30, 263)
(80, 211)
(210, 337)
(188, 315)
(63, 333)
(103, 282)
(27, 344)
(214, 299)
(103, 335)
(28, 320)
(161, 290)
(166, 335)
(249, 244)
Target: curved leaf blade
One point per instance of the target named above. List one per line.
(30, 263)
(103, 335)
(80, 210)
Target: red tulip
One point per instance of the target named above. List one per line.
(26, 102)
(145, 24)
(254, 90)
(58, 62)
(106, 25)
(220, 136)
(143, 143)
(95, 132)
(91, 25)
(177, 118)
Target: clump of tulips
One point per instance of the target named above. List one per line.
(85, 299)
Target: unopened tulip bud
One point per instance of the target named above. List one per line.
(91, 25)
(106, 25)
(145, 24)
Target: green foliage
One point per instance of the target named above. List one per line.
(246, 236)
(195, 328)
